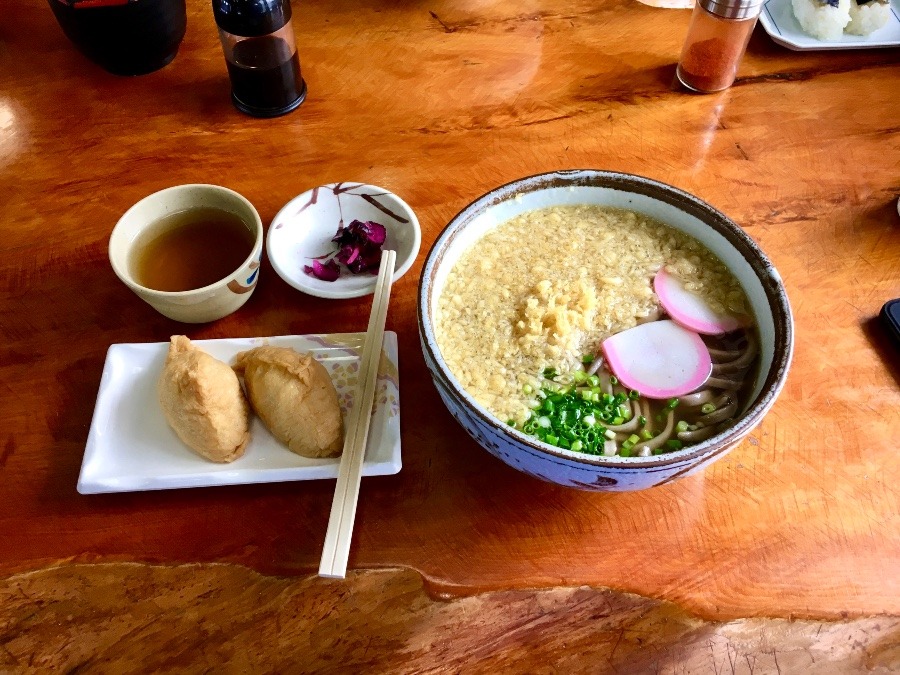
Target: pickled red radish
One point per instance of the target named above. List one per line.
(689, 309)
(660, 359)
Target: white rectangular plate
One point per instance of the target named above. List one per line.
(130, 447)
(778, 19)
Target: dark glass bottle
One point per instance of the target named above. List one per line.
(125, 37)
(261, 55)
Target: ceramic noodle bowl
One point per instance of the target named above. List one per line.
(680, 210)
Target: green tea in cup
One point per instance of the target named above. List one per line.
(190, 249)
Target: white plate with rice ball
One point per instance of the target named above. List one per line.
(779, 21)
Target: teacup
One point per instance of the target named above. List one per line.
(198, 305)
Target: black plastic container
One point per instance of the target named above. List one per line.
(261, 55)
(125, 38)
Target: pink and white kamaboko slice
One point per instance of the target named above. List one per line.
(689, 309)
(660, 359)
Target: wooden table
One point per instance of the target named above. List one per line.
(784, 556)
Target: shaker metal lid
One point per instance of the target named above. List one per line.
(732, 9)
(251, 18)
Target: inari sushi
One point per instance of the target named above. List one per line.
(867, 16)
(202, 401)
(822, 19)
(295, 398)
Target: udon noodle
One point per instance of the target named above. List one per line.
(524, 310)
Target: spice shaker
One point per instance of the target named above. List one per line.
(261, 55)
(715, 43)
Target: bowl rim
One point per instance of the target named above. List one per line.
(673, 196)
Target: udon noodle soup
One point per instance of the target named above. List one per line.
(522, 315)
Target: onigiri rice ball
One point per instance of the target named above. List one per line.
(867, 16)
(822, 19)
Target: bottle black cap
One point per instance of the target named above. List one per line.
(251, 18)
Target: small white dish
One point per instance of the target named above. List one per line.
(777, 18)
(303, 229)
(130, 447)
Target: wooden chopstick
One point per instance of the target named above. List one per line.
(336, 550)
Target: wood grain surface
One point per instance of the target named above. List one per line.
(130, 618)
(440, 102)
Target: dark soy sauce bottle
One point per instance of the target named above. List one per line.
(261, 55)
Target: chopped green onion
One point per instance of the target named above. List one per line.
(527, 389)
(681, 426)
(616, 421)
(634, 438)
(613, 379)
(634, 394)
(587, 358)
(625, 452)
(593, 380)
(646, 434)
(511, 423)
(674, 445)
(707, 408)
(672, 404)
(642, 420)
(575, 415)
(610, 434)
(550, 373)
(658, 451)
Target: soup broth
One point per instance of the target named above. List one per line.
(191, 249)
(525, 309)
